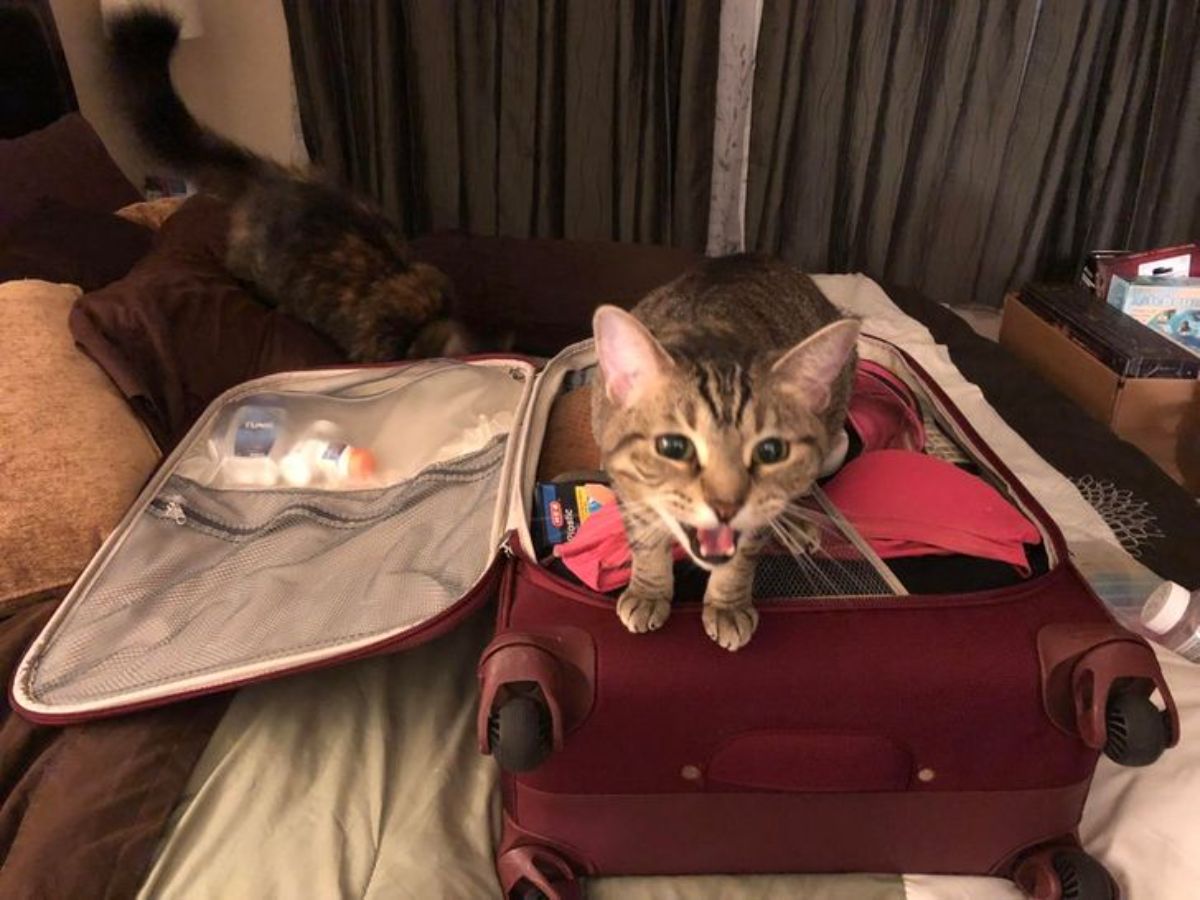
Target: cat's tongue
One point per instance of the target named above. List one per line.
(717, 541)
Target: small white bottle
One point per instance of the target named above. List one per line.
(1171, 616)
(323, 456)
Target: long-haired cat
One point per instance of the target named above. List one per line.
(718, 399)
(305, 245)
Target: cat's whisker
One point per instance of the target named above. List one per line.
(803, 529)
(807, 514)
(791, 537)
(789, 543)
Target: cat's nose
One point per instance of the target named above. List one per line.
(725, 509)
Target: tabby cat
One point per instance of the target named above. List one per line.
(303, 244)
(718, 399)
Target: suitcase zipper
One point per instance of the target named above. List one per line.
(171, 509)
(174, 510)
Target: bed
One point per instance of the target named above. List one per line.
(364, 780)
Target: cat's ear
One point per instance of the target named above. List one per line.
(811, 367)
(631, 360)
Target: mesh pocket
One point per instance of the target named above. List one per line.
(841, 564)
(307, 436)
(208, 581)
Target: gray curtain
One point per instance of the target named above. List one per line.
(564, 118)
(965, 147)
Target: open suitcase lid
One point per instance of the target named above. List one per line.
(211, 581)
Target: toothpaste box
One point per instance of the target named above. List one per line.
(560, 508)
(1170, 306)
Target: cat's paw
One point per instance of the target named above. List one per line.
(730, 626)
(640, 613)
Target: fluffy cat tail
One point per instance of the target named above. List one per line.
(140, 43)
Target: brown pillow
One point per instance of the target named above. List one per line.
(66, 161)
(179, 330)
(62, 243)
(73, 455)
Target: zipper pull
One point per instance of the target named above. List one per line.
(174, 512)
(506, 545)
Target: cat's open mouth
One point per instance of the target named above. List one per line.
(713, 545)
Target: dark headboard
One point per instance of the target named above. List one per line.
(35, 84)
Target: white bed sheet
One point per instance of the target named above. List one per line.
(363, 781)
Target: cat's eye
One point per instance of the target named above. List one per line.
(674, 446)
(770, 450)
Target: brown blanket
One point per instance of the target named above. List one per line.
(82, 808)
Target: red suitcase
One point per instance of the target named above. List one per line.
(938, 734)
(949, 733)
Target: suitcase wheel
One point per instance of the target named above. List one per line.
(1063, 872)
(562, 891)
(1082, 878)
(1137, 730)
(519, 733)
(531, 872)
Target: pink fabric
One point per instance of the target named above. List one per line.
(883, 411)
(902, 502)
(599, 555)
(909, 504)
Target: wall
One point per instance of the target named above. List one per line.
(236, 77)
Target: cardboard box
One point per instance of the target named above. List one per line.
(1161, 416)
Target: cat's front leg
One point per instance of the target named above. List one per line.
(729, 615)
(646, 603)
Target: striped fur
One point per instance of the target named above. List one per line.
(740, 351)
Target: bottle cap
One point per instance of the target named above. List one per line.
(1165, 607)
(358, 463)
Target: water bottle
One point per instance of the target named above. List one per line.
(1159, 610)
(1121, 581)
(1171, 616)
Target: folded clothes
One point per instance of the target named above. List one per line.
(910, 504)
(883, 411)
(599, 555)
